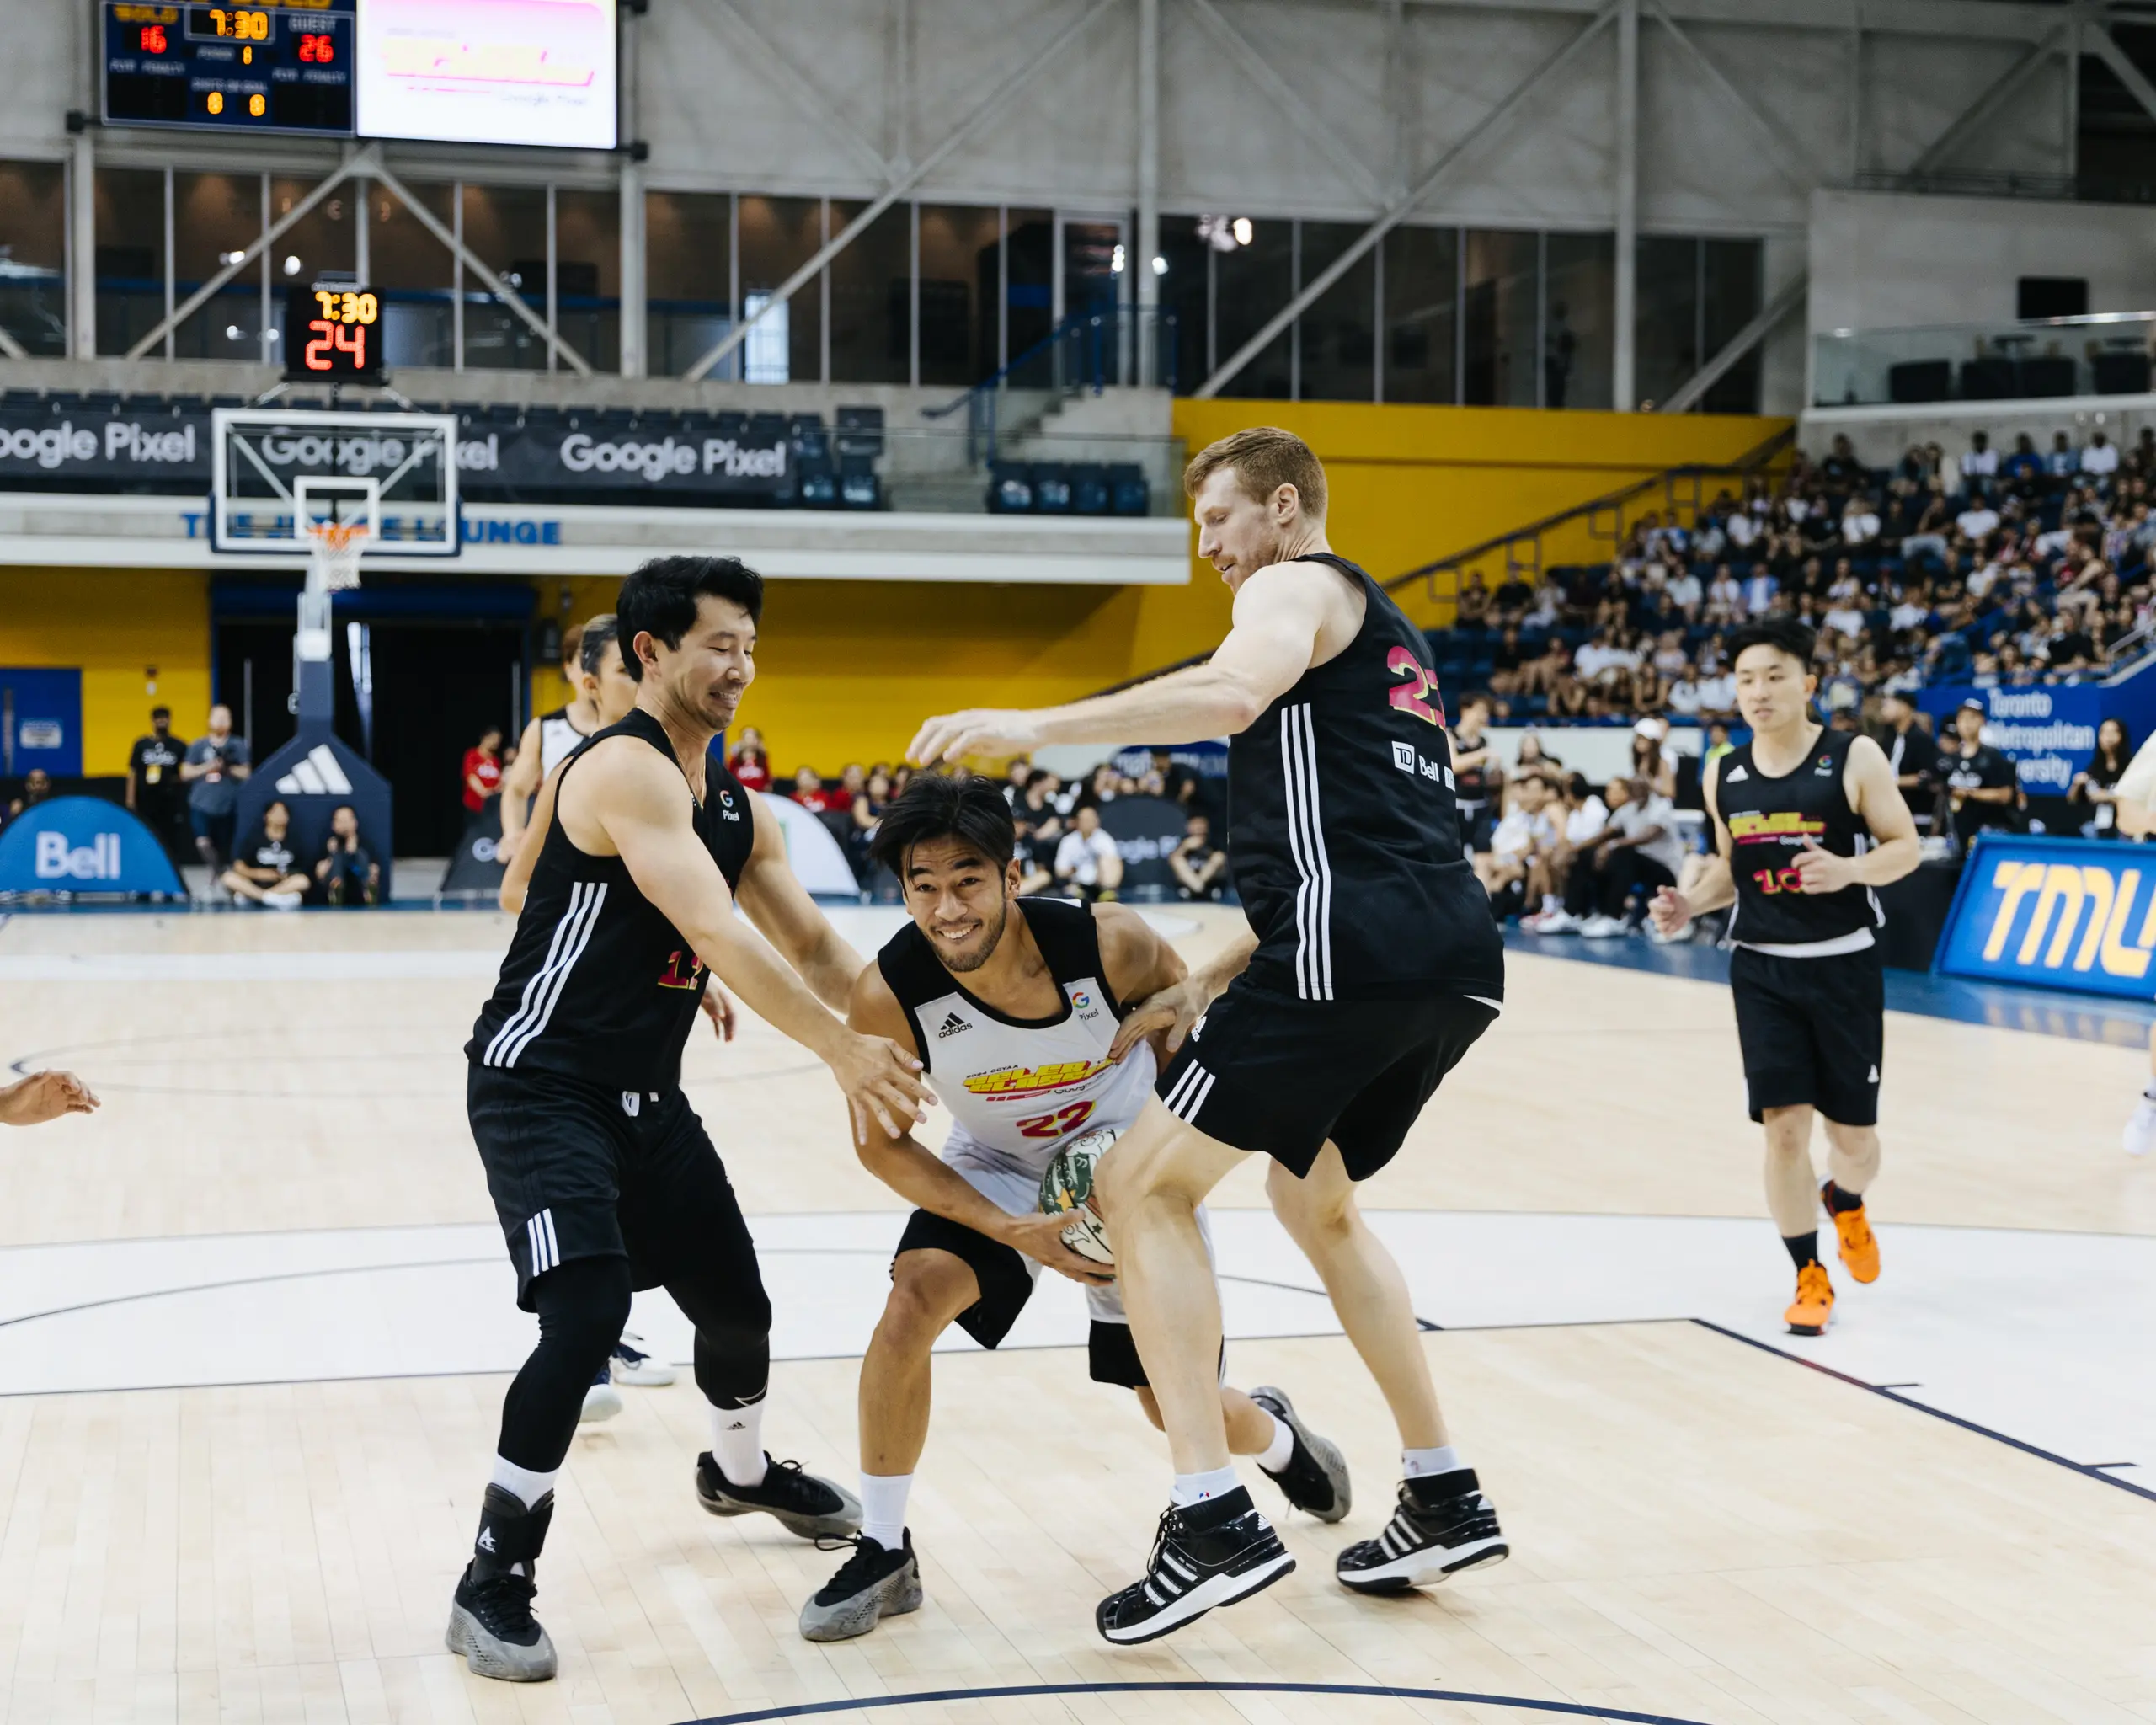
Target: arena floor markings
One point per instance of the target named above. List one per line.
(254, 1320)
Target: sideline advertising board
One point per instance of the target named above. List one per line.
(2075, 914)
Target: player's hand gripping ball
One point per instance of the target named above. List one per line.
(1067, 1189)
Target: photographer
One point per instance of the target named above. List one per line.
(348, 873)
(215, 764)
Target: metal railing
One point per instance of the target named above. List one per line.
(1086, 353)
(1681, 490)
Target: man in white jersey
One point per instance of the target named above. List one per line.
(1016, 1010)
(547, 742)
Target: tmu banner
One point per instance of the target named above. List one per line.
(2077, 914)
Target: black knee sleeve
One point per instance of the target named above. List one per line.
(582, 1307)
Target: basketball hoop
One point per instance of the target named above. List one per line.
(337, 548)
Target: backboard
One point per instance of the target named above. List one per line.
(275, 472)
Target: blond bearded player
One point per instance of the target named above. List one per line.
(1807, 821)
(1370, 967)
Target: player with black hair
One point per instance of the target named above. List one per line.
(1807, 821)
(603, 1176)
(1017, 1009)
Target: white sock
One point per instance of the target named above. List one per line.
(528, 1486)
(737, 1443)
(1423, 1464)
(883, 1508)
(1276, 1454)
(1195, 1487)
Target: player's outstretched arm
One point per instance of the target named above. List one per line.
(518, 784)
(1876, 799)
(905, 1165)
(1171, 1010)
(773, 898)
(1279, 613)
(639, 805)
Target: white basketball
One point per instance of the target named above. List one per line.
(1067, 1188)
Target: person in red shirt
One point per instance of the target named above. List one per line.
(812, 793)
(749, 762)
(482, 770)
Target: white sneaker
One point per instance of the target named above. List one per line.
(1602, 928)
(630, 1364)
(602, 1401)
(282, 902)
(2141, 1131)
(1560, 922)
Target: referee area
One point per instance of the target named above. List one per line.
(255, 1322)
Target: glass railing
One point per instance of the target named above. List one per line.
(2105, 354)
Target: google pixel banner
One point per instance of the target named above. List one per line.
(2077, 914)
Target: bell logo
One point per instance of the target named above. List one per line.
(97, 860)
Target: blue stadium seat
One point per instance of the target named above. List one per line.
(1051, 489)
(858, 486)
(1089, 488)
(1009, 488)
(1129, 493)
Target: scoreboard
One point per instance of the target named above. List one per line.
(333, 334)
(261, 66)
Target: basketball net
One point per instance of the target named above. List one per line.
(335, 555)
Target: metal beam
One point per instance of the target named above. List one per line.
(1980, 110)
(1689, 393)
(2100, 41)
(1291, 101)
(366, 161)
(815, 103)
(492, 283)
(1785, 152)
(952, 142)
(1402, 207)
(83, 249)
(1148, 183)
(1624, 369)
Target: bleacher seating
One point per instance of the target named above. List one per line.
(1068, 488)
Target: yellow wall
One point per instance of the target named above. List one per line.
(1412, 485)
(114, 624)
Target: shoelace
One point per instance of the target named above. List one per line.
(1170, 1526)
(505, 1600)
(793, 1480)
(856, 1570)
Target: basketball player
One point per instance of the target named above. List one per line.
(546, 744)
(2136, 792)
(604, 1179)
(1015, 1006)
(1370, 966)
(1806, 822)
(604, 686)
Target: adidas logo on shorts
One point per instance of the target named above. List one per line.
(952, 1026)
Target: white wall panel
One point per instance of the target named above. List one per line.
(46, 75)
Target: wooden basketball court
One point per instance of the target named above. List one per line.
(254, 1327)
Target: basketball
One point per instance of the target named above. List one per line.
(1068, 1186)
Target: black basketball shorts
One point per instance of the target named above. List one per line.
(579, 1172)
(1279, 1077)
(1006, 1276)
(1813, 1031)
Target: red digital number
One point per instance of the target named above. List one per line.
(1402, 664)
(352, 339)
(1066, 1119)
(317, 51)
(317, 358)
(153, 39)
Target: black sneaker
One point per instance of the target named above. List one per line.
(813, 1507)
(1208, 1554)
(873, 1583)
(490, 1621)
(1443, 1524)
(1316, 1478)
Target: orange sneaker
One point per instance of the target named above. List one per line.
(1859, 1245)
(1814, 1305)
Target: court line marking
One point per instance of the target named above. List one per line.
(2087, 1470)
(1576, 1710)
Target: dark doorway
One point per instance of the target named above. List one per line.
(436, 684)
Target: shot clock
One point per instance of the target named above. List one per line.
(262, 67)
(333, 334)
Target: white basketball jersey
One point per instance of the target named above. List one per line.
(556, 738)
(1016, 1089)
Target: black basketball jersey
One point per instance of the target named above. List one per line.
(1344, 834)
(1769, 821)
(597, 983)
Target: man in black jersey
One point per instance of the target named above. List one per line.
(1370, 966)
(575, 719)
(603, 1177)
(1807, 821)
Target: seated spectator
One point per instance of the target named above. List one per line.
(1086, 859)
(1859, 520)
(1533, 758)
(265, 868)
(2102, 457)
(1979, 520)
(348, 873)
(1643, 852)
(1104, 786)
(2063, 461)
(1014, 780)
(1199, 866)
(1474, 600)
(1685, 593)
(483, 772)
(2067, 648)
(1508, 660)
(1725, 600)
(1038, 808)
(868, 807)
(37, 786)
(1563, 880)
(1524, 832)
(1979, 464)
(811, 792)
(1513, 597)
(2024, 468)
(748, 760)
(1760, 592)
(1654, 756)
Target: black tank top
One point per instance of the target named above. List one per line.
(1344, 835)
(1769, 821)
(598, 985)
